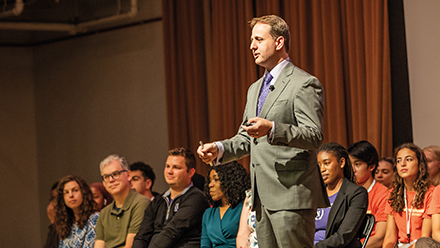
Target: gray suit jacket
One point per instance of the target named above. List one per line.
(285, 173)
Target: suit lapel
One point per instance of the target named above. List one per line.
(336, 206)
(281, 83)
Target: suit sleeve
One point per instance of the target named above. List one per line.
(308, 109)
(351, 223)
(238, 146)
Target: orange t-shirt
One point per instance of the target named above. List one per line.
(434, 207)
(377, 200)
(417, 217)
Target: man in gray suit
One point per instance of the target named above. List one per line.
(281, 130)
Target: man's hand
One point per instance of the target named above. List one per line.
(208, 152)
(259, 127)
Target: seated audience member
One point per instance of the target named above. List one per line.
(119, 222)
(225, 189)
(101, 196)
(338, 225)
(364, 159)
(198, 181)
(432, 154)
(52, 240)
(247, 236)
(385, 171)
(409, 200)
(174, 219)
(142, 179)
(434, 212)
(76, 214)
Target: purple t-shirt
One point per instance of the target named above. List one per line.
(321, 220)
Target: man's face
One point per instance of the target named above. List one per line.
(263, 46)
(138, 182)
(176, 174)
(115, 186)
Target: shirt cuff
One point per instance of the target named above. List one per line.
(220, 151)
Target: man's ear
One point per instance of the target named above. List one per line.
(371, 167)
(279, 42)
(148, 183)
(191, 172)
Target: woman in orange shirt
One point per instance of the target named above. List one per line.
(407, 207)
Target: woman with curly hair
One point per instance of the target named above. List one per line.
(225, 189)
(76, 215)
(409, 200)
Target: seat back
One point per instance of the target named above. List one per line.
(367, 227)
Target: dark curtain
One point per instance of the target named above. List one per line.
(209, 66)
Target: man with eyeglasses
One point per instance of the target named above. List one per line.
(119, 222)
(174, 219)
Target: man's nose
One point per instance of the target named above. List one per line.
(111, 178)
(252, 45)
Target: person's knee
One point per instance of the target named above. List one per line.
(425, 242)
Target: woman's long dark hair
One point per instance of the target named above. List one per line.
(65, 218)
(234, 181)
(339, 152)
(421, 185)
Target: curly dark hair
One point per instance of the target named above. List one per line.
(234, 181)
(65, 218)
(421, 185)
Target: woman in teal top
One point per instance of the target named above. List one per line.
(225, 188)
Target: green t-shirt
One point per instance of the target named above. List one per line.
(113, 226)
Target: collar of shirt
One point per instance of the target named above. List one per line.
(168, 192)
(275, 72)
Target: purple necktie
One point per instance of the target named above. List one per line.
(264, 92)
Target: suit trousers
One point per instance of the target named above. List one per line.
(285, 228)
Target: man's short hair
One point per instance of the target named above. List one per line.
(190, 159)
(278, 27)
(109, 159)
(147, 171)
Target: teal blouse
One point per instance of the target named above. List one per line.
(220, 233)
